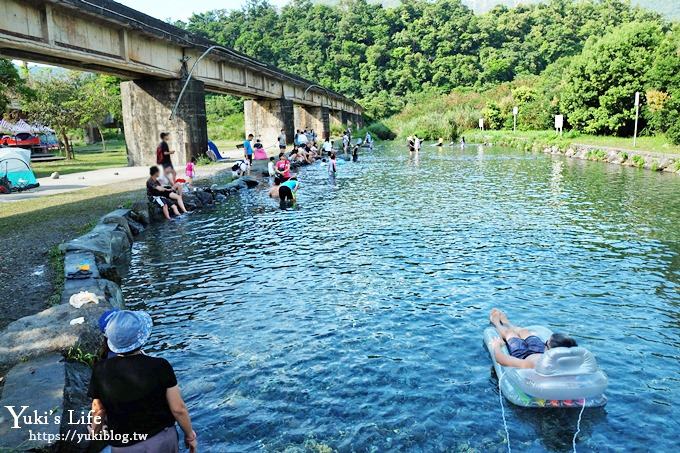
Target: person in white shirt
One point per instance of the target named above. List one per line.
(327, 146)
(417, 143)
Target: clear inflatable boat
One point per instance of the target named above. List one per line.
(564, 377)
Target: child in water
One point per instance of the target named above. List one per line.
(332, 165)
(271, 168)
(190, 170)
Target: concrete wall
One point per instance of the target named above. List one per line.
(265, 118)
(316, 118)
(147, 105)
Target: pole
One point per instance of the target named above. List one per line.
(637, 115)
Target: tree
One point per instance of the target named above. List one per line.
(99, 98)
(11, 85)
(56, 102)
(600, 84)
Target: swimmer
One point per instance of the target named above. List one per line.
(274, 191)
(525, 347)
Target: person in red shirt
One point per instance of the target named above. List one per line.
(283, 167)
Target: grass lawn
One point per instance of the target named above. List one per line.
(656, 144)
(88, 157)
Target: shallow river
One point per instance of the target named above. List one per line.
(355, 322)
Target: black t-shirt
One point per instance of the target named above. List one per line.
(152, 188)
(132, 390)
(166, 157)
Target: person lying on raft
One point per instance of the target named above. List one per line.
(524, 347)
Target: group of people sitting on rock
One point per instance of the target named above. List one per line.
(163, 188)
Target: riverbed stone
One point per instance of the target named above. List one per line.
(38, 384)
(220, 197)
(249, 181)
(140, 212)
(50, 332)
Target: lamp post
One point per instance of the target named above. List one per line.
(515, 111)
(637, 115)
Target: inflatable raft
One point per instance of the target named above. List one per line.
(564, 377)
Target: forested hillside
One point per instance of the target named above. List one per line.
(379, 55)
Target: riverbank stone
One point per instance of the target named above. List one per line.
(140, 212)
(135, 227)
(74, 259)
(76, 400)
(38, 384)
(107, 241)
(192, 202)
(107, 290)
(205, 197)
(50, 332)
(120, 218)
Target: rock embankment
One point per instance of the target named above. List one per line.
(45, 353)
(639, 159)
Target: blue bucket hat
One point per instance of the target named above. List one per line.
(104, 319)
(128, 330)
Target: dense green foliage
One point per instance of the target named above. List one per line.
(71, 101)
(380, 55)
(11, 85)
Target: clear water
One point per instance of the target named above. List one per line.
(355, 323)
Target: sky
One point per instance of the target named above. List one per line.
(182, 9)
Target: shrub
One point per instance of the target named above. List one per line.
(638, 161)
(673, 133)
(381, 131)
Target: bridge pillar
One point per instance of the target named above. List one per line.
(317, 118)
(147, 105)
(264, 118)
(336, 118)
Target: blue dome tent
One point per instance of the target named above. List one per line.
(15, 170)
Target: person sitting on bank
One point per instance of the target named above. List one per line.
(135, 394)
(240, 168)
(164, 196)
(525, 348)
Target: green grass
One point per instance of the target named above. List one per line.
(228, 128)
(656, 144)
(87, 158)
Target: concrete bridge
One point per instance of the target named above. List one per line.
(155, 58)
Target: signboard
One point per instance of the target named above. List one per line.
(515, 110)
(559, 122)
(637, 98)
(481, 123)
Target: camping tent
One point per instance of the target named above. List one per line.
(15, 170)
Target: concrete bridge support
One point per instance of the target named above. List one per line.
(147, 104)
(264, 118)
(352, 119)
(316, 118)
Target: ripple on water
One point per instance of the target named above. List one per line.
(355, 322)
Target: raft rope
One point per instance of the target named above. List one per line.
(578, 426)
(505, 422)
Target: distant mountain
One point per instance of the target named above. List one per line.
(669, 8)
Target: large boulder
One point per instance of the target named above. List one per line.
(135, 227)
(105, 290)
(50, 331)
(140, 212)
(120, 218)
(191, 201)
(76, 400)
(205, 197)
(248, 181)
(108, 242)
(74, 259)
(38, 384)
